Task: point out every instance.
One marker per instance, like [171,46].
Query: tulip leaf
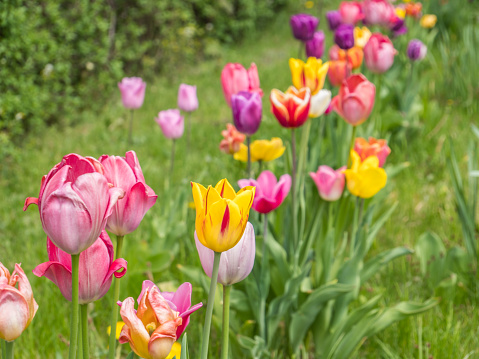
[130,356]
[431,254]
[184,348]
[306,315]
[375,264]
[256,346]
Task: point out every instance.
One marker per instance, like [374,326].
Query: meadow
[425,112]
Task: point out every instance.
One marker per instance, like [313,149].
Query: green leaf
[375,264]
[431,253]
[184,347]
[130,356]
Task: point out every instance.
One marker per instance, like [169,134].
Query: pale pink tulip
[125,173]
[350,12]
[132,92]
[17,306]
[75,202]
[171,122]
[378,12]
[379,53]
[187,99]
[236,263]
[97,267]
[330,183]
[235,78]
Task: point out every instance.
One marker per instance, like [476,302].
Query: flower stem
[248,143]
[4,350]
[172,160]
[80,342]
[209,307]
[130,133]
[262,304]
[84,326]
[9,349]
[116,296]
[293,197]
[351,145]
[226,321]
[300,52]
[188,135]
[75,316]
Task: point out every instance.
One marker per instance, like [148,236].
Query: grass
[163,248]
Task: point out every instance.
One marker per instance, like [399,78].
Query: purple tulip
[187,99]
[344,36]
[330,183]
[416,50]
[236,263]
[334,19]
[315,46]
[172,123]
[132,92]
[247,111]
[398,26]
[303,26]
[97,268]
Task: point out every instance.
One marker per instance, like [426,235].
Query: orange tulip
[355,57]
[338,71]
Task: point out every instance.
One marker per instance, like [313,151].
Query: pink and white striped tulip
[330,183]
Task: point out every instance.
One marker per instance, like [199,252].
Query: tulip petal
[59,274]
[29,201]
[25,289]
[225,190]
[14,313]
[136,333]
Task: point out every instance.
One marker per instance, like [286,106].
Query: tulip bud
[351,12]
[171,122]
[334,19]
[235,78]
[365,178]
[344,36]
[247,111]
[132,92]
[291,108]
[303,26]
[315,46]
[378,12]
[232,140]
[416,50]
[373,147]
[330,183]
[187,99]
[379,53]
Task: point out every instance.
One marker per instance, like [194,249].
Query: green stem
[226,321]
[209,307]
[84,326]
[188,135]
[80,342]
[260,166]
[293,197]
[4,349]
[130,133]
[75,316]
[116,297]
[172,160]
[9,350]
[262,304]
[248,144]
[300,52]
[351,145]
[355,227]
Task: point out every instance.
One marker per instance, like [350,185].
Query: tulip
[75,202]
[365,178]
[336,53]
[334,19]
[151,330]
[236,263]
[270,193]
[235,78]
[373,147]
[97,267]
[379,53]
[344,36]
[221,214]
[319,103]
[261,150]
[310,74]
[338,71]
[330,183]
[315,46]
[355,57]
[416,50]
[247,111]
[171,122]
[232,140]
[428,21]
[303,26]
[175,351]
[351,12]
[398,26]
[17,306]
[361,36]
[291,109]
[414,9]
[355,99]
[125,173]
[378,12]
[187,99]
[132,92]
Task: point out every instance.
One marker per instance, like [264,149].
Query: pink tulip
[355,99]
[338,71]
[270,193]
[172,123]
[17,306]
[235,78]
[236,263]
[125,173]
[350,12]
[75,202]
[187,99]
[132,92]
[379,53]
[96,269]
[378,12]
[330,183]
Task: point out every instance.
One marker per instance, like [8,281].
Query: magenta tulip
[75,202]
[303,26]
[351,12]
[172,123]
[235,78]
[247,111]
[270,193]
[236,263]
[132,92]
[330,183]
[125,173]
[315,46]
[97,268]
[334,19]
[187,99]
[378,12]
[379,53]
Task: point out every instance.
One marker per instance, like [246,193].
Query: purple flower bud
[247,111]
[334,19]
[315,46]
[344,36]
[416,50]
[303,26]
[398,27]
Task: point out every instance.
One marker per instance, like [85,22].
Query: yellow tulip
[261,150]
[400,12]
[221,214]
[175,351]
[428,21]
[365,179]
[361,36]
[310,74]
[119,327]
